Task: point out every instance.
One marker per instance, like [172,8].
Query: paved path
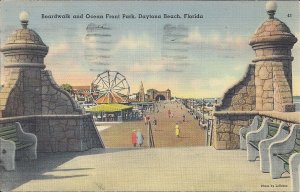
[159,169]
[119,135]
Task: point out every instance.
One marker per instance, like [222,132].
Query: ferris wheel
[110,87]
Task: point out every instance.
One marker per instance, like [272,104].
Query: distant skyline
[208,55]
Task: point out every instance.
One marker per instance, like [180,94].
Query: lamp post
[24,18]
[271,7]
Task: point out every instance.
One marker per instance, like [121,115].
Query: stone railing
[227,125]
[59,133]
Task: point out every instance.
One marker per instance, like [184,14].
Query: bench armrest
[252,127]
[23,136]
[286,145]
[294,162]
[260,133]
[6,145]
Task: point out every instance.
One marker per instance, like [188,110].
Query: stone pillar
[31,92]
[272,43]
[24,54]
[29,89]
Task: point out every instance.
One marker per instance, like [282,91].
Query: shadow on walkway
[47,162]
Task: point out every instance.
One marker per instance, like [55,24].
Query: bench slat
[254,144]
[10,133]
[7,132]
[3,129]
[273,124]
[285,157]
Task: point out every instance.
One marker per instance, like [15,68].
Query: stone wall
[56,100]
[227,126]
[60,133]
[241,97]
[23,92]
[283,96]
[273,82]
[32,97]
[12,76]
[31,91]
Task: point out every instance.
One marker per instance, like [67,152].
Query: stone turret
[272,43]
[24,47]
[29,89]
[31,97]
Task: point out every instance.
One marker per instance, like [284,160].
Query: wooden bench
[258,141]
[256,123]
[12,139]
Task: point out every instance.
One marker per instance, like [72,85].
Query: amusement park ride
[110,87]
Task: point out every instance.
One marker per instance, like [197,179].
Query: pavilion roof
[113,107]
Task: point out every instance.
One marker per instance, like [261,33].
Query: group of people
[137,138]
[147,121]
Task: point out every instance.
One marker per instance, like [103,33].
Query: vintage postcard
[149,95]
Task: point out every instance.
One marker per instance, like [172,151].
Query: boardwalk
[158,169]
[119,134]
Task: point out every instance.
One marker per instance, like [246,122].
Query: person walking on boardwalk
[145,119]
[148,119]
[177,130]
[154,122]
[133,138]
[169,113]
[140,138]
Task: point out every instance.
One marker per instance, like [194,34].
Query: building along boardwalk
[191,134]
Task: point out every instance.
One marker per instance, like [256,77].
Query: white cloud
[90,42]
[225,82]
[132,42]
[216,40]
[212,87]
[59,49]
[194,36]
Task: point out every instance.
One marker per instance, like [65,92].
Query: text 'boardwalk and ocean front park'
[123,16]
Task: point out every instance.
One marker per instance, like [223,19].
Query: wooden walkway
[119,135]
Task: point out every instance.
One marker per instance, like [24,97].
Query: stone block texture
[227,127]
[241,97]
[59,133]
[30,92]
[272,43]
[267,85]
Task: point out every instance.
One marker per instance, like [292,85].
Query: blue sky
[216,51]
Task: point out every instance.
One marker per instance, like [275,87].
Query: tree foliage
[67,87]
